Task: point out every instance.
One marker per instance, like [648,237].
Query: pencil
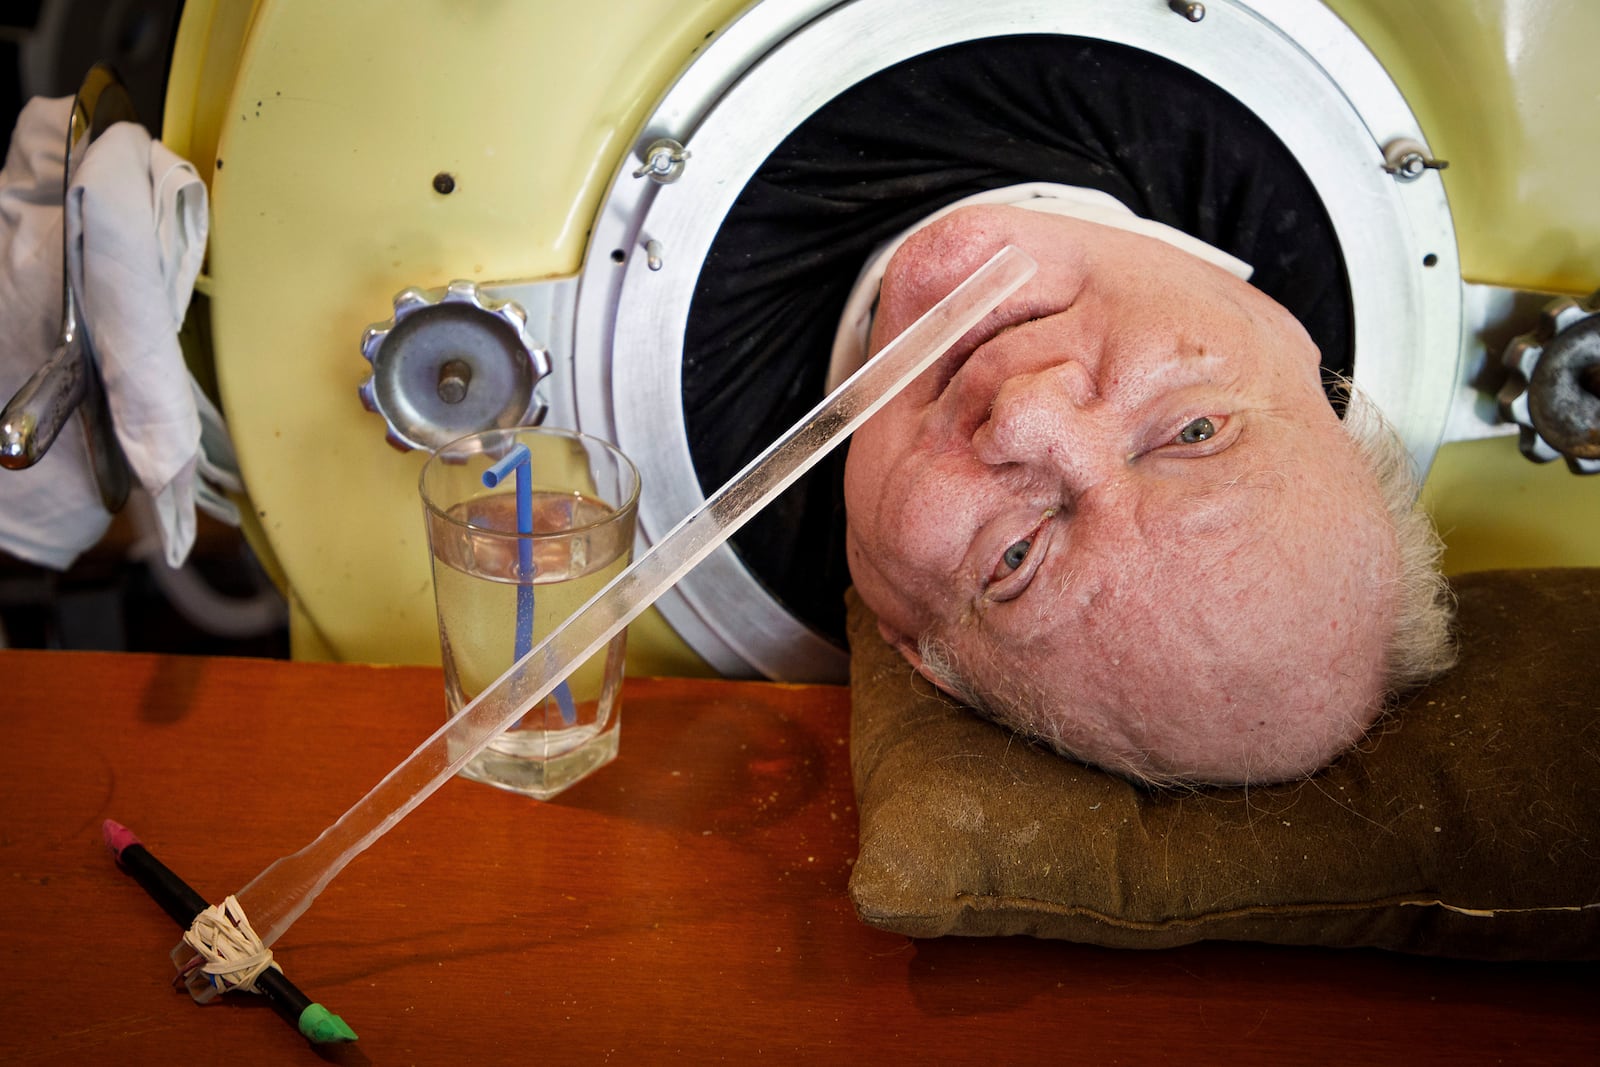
[319,1025]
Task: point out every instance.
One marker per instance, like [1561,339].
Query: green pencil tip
[322,1026]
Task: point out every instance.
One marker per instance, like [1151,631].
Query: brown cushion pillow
[1467,825]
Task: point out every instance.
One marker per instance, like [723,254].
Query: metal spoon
[70,378]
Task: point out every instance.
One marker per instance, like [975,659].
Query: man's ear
[908,649]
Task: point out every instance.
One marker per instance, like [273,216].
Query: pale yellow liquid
[474,582]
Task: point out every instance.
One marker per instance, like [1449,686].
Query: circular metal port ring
[1292,62]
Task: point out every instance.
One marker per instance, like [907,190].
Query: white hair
[1422,643]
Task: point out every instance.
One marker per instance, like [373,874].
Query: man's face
[1124,500]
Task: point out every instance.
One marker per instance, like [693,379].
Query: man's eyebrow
[1223,499]
[1059,582]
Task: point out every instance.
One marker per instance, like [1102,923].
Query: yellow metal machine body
[323,130]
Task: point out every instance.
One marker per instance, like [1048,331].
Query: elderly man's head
[1122,516]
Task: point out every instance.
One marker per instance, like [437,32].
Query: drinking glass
[503,580]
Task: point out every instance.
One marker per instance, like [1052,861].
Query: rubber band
[233,953]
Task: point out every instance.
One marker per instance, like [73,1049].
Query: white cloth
[50,512]
[138,212]
[855,323]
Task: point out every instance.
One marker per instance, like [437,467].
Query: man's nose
[1049,420]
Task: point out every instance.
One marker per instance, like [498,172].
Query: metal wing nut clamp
[451,362]
[1552,388]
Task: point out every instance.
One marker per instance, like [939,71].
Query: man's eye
[1201,429]
[1015,555]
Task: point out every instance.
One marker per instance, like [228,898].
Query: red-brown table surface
[687,903]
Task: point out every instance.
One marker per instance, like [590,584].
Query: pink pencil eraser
[117,836]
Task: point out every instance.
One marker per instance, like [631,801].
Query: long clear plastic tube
[279,895]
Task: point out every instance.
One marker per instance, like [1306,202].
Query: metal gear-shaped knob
[452,362]
[1552,387]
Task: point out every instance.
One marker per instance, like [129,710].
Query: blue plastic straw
[518,460]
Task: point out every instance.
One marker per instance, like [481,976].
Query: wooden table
[687,903]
